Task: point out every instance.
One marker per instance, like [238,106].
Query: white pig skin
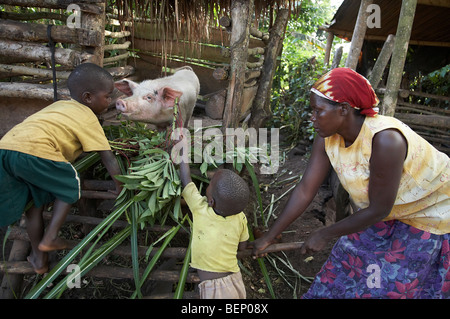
[152,101]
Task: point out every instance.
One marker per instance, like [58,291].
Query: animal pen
[139,40]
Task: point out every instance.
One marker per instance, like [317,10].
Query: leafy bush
[300,66]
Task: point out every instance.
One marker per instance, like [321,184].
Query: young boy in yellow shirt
[219,231]
[36,156]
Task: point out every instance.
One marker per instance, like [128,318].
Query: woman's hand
[315,242]
[258,246]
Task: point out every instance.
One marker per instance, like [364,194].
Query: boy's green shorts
[25,177]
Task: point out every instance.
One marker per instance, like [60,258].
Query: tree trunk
[261,107]
[382,61]
[241,11]
[358,35]
[402,37]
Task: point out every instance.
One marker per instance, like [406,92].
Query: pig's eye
[148,97]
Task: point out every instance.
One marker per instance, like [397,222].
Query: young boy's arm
[110,162]
[185,170]
[242,245]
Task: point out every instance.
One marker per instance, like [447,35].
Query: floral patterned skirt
[388,260]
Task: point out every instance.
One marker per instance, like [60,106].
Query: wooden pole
[330,37]
[337,57]
[95,21]
[38,52]
[241,11]
[261,106]
[23,70]
[358,35]
[11,283]
[31,91]
[37,32]
[405,23]
[382,61]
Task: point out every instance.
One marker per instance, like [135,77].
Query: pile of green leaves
[155,185]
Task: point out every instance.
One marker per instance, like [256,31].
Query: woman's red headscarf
[345,85]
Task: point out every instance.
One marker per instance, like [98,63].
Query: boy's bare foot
[40,265]
[50,245]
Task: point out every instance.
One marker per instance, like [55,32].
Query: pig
[152,101]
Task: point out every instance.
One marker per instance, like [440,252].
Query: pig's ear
[126,86]
[168,96]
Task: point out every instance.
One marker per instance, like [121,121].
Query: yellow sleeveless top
[423,197]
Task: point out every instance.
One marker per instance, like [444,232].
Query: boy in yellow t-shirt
[219,231]
[36,156]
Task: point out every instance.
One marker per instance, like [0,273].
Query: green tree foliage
[300,66]
[436,82]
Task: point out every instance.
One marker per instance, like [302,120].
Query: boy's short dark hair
[231,191]
[87,77]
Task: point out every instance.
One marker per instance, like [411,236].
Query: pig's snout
[121,106]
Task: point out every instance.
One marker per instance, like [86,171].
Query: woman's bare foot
[50,245]
[39,263]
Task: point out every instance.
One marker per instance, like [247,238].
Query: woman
[396,245]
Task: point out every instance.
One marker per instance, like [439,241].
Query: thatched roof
[430,28]
[197,15]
